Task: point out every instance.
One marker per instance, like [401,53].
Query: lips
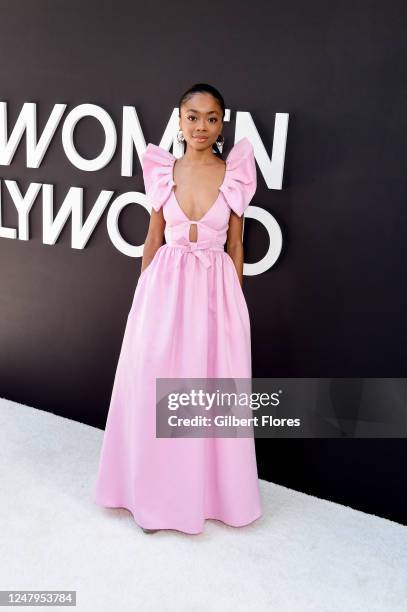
[201,137]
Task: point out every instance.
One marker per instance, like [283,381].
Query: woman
[189,318]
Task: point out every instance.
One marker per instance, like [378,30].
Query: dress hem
[228,523]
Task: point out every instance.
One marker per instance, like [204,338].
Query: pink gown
[188,318]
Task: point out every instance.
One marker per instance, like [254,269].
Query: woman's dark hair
[203,88]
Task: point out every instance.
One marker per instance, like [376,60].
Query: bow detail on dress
[199,249]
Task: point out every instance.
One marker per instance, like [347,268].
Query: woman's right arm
[154,238]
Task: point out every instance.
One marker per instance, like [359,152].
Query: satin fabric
[188,318]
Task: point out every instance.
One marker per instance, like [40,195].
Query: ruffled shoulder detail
[240,183]
[157,164]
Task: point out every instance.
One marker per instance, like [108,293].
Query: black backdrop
[333,305]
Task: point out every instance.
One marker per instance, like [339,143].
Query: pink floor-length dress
[188,318]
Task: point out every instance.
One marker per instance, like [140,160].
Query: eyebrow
[192,110]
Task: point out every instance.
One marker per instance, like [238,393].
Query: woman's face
[201,116]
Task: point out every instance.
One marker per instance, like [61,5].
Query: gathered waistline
[198,249]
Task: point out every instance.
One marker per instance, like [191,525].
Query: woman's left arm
[234,243]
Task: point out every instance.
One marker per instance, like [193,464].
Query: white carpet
[303,554]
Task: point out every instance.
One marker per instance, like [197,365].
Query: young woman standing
[189,318]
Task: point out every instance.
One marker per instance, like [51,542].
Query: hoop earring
[220,141]
[180,137]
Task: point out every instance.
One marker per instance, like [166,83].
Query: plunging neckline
[210,208]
